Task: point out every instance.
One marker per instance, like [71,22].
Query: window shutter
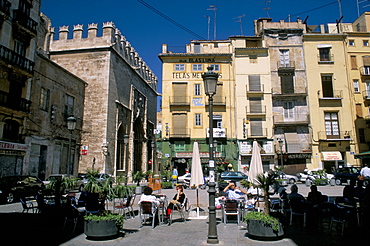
[353,62]
[218,97]
[179,92]
[256,127]
[287,84]
[366,60]
[255,105]
[254,83]
[179,124]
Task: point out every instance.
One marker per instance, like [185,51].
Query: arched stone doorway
[139,141]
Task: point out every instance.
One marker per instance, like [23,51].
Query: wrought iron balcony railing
[19,104]
[15,59]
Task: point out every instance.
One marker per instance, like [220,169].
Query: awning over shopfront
[363,155]
[331,156]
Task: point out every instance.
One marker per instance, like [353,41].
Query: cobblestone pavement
[20,229]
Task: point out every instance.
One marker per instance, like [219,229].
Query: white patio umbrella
[196,173]
[255,166]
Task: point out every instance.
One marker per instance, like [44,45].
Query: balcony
[11,57]
[330,95]
[343,135]
[286,68]
[292,92]
[218,101]
[366,94]
[4,10]
[11,102]
[302,119]
[180,133]
[179,101]
[255,90]
[325,59]
[365,71]
[217,132]
[255,110]
[257,132]
[23,25]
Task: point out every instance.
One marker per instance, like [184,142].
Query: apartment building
[185,104]
[330,99]
[253,100]
[290,138]
[18,24]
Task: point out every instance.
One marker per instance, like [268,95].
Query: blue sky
[147,30]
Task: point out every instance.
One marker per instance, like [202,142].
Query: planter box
[258,229]
[101,229]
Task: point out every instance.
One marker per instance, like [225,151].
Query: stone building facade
[120,102]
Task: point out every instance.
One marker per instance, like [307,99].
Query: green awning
[363,155]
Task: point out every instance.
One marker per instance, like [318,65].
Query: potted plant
[103,225]
[137,177]
[263,224]
[100,223]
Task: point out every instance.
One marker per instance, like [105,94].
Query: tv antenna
[213,7]
[241,22]
[208,22]
[267,8]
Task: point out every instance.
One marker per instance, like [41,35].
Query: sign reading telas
[189,75]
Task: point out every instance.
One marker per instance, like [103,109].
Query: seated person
[179,198]
[149,197]
[314,196]
[250,202]
[234,192]
[297,201]
[294,193]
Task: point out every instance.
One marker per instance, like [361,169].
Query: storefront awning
[363,155]
[331,156]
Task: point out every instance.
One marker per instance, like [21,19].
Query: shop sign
[13,146]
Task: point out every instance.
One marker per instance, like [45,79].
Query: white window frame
[44,99]
[197,67]
[289,110]
[179,67]
[216,67]
[365,43]
[198,119]
[284,57]
[356,86]
[351,42]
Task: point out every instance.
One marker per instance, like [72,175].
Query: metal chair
[28,205]
[230,207]
[338,215]
[298,208]
[129,206]
[181,209]
[72,214]
[147,210]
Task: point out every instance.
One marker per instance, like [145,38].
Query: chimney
[92,30]
[77,31]
[63,32]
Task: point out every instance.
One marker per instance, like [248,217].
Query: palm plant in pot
[100,223]
[264,225]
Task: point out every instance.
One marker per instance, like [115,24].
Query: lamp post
[281,151]
[152,144]
[71,124]
[210,85]
[125,142]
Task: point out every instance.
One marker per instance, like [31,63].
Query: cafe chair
[72,214]
[147,210]
[28,205]
[298,208]
[181,209]
[338,215]
[230,207]
[130,205]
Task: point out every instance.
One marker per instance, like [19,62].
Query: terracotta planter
[258,229]
[101,229]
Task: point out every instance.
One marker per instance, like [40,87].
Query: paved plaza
[48,230]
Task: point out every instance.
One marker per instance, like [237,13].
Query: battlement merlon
[111,36]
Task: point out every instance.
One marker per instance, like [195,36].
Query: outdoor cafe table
[163,202]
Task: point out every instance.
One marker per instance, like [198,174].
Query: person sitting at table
[349,192]
[294,193]
[149,197]
[178,198]
[314,196]
[234,192]
[250,202]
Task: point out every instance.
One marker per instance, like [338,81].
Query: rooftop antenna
[358,6]
[213,7]
[340,8]
[338,22]
[208,21]
[241,22]
[267,8]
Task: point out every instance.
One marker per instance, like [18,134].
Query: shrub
[166,185]
[106,215]
[266,219]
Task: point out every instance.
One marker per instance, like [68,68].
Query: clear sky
[147,24]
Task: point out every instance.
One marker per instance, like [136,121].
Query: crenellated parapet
[111,38]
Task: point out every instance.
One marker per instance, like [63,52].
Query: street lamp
[210,86]
[71,124]
[281,151]
[152,144]
[125,142]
